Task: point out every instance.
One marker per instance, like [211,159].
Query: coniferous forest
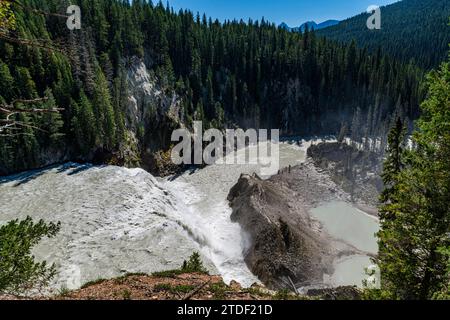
[112,91]
[413,30]
[236,73]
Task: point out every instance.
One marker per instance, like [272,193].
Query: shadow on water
[77,168]
[22,178]
[28,176]
[191,170]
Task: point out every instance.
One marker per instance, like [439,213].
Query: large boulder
[285,250]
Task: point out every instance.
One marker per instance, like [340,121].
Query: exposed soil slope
[187,286]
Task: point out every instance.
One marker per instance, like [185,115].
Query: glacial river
[117,220]
[354,227]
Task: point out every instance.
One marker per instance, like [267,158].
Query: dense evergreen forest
[236,73]
[411,30]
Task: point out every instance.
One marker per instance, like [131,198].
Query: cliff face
[152,114]
[286,248]
[356,171]
[146,100]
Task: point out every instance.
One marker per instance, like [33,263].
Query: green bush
[194,264]
[19,273]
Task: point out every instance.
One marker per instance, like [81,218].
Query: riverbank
[117,220]
[184,286]
[308,250]
[276,214]
[354,170]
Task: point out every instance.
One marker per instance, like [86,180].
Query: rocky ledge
[356,171]
[185,286]
[288,249]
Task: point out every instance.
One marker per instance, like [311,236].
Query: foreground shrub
[19,273]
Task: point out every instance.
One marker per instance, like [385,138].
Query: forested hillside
[247,74]
[411,30]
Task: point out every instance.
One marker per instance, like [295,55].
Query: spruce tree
[104,111]
[415,225]
[393,164]
[51,122]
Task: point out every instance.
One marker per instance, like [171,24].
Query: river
[354,227]
[117,220]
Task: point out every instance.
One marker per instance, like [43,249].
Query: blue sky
[293,12]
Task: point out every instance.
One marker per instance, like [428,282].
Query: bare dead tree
[35,43]
[10,127]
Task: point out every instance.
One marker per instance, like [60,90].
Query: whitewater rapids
[116,220]
[113,221]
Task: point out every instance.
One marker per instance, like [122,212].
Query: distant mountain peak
[284,25]
[311,25]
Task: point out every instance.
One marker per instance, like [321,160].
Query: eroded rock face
[146,99]
[151,114]
[356,171]
[285,249]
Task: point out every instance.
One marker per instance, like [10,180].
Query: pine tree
[258,74]
[104,111]
[393,165]
[83,124]
[19,272]
[7,17]
[6,82]
[51,122]
[415,228]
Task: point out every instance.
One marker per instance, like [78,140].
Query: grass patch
[168,273]
[121,279]
[126,294]
[218,289]
[63,291]
[91,283]
[288,295]
[257,292]
[283,294]
[163,287]
[183,289]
